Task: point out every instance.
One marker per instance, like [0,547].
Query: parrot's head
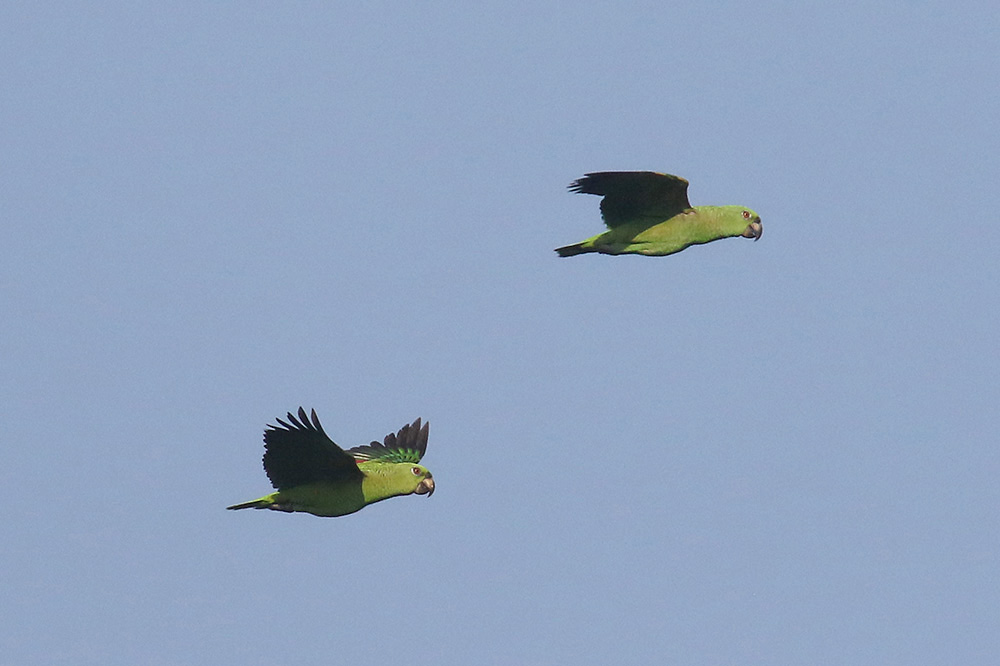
[754,228]
[422,479]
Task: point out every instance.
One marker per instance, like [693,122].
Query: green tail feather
[572,250]
[255,504]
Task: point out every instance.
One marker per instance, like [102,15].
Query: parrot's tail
[572,250]
[256,504]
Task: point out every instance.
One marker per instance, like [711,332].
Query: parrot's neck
[382,481]
[718,222]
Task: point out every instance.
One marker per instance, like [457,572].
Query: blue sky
[781,452]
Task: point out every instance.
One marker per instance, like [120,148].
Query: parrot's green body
[312,474]
[649,213]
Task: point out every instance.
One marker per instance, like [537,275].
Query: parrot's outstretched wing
[630,196]
[299,452]
[406,446]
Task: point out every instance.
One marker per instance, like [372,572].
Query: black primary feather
[406,446]
[632,195]
[299,452]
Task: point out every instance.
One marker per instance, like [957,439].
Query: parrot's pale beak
[425,487]
[754,230]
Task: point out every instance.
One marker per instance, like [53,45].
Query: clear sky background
[781,452]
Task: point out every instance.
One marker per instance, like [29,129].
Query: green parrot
[648,213]
[310,473]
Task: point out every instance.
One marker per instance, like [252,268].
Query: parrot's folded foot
[287,508]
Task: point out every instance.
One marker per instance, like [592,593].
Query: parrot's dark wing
[406,446]
[630,196]
[300,452]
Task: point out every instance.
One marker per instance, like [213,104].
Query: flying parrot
[649,213]
[310,473]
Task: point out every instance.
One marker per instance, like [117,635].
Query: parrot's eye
[746,215]
[415,470]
